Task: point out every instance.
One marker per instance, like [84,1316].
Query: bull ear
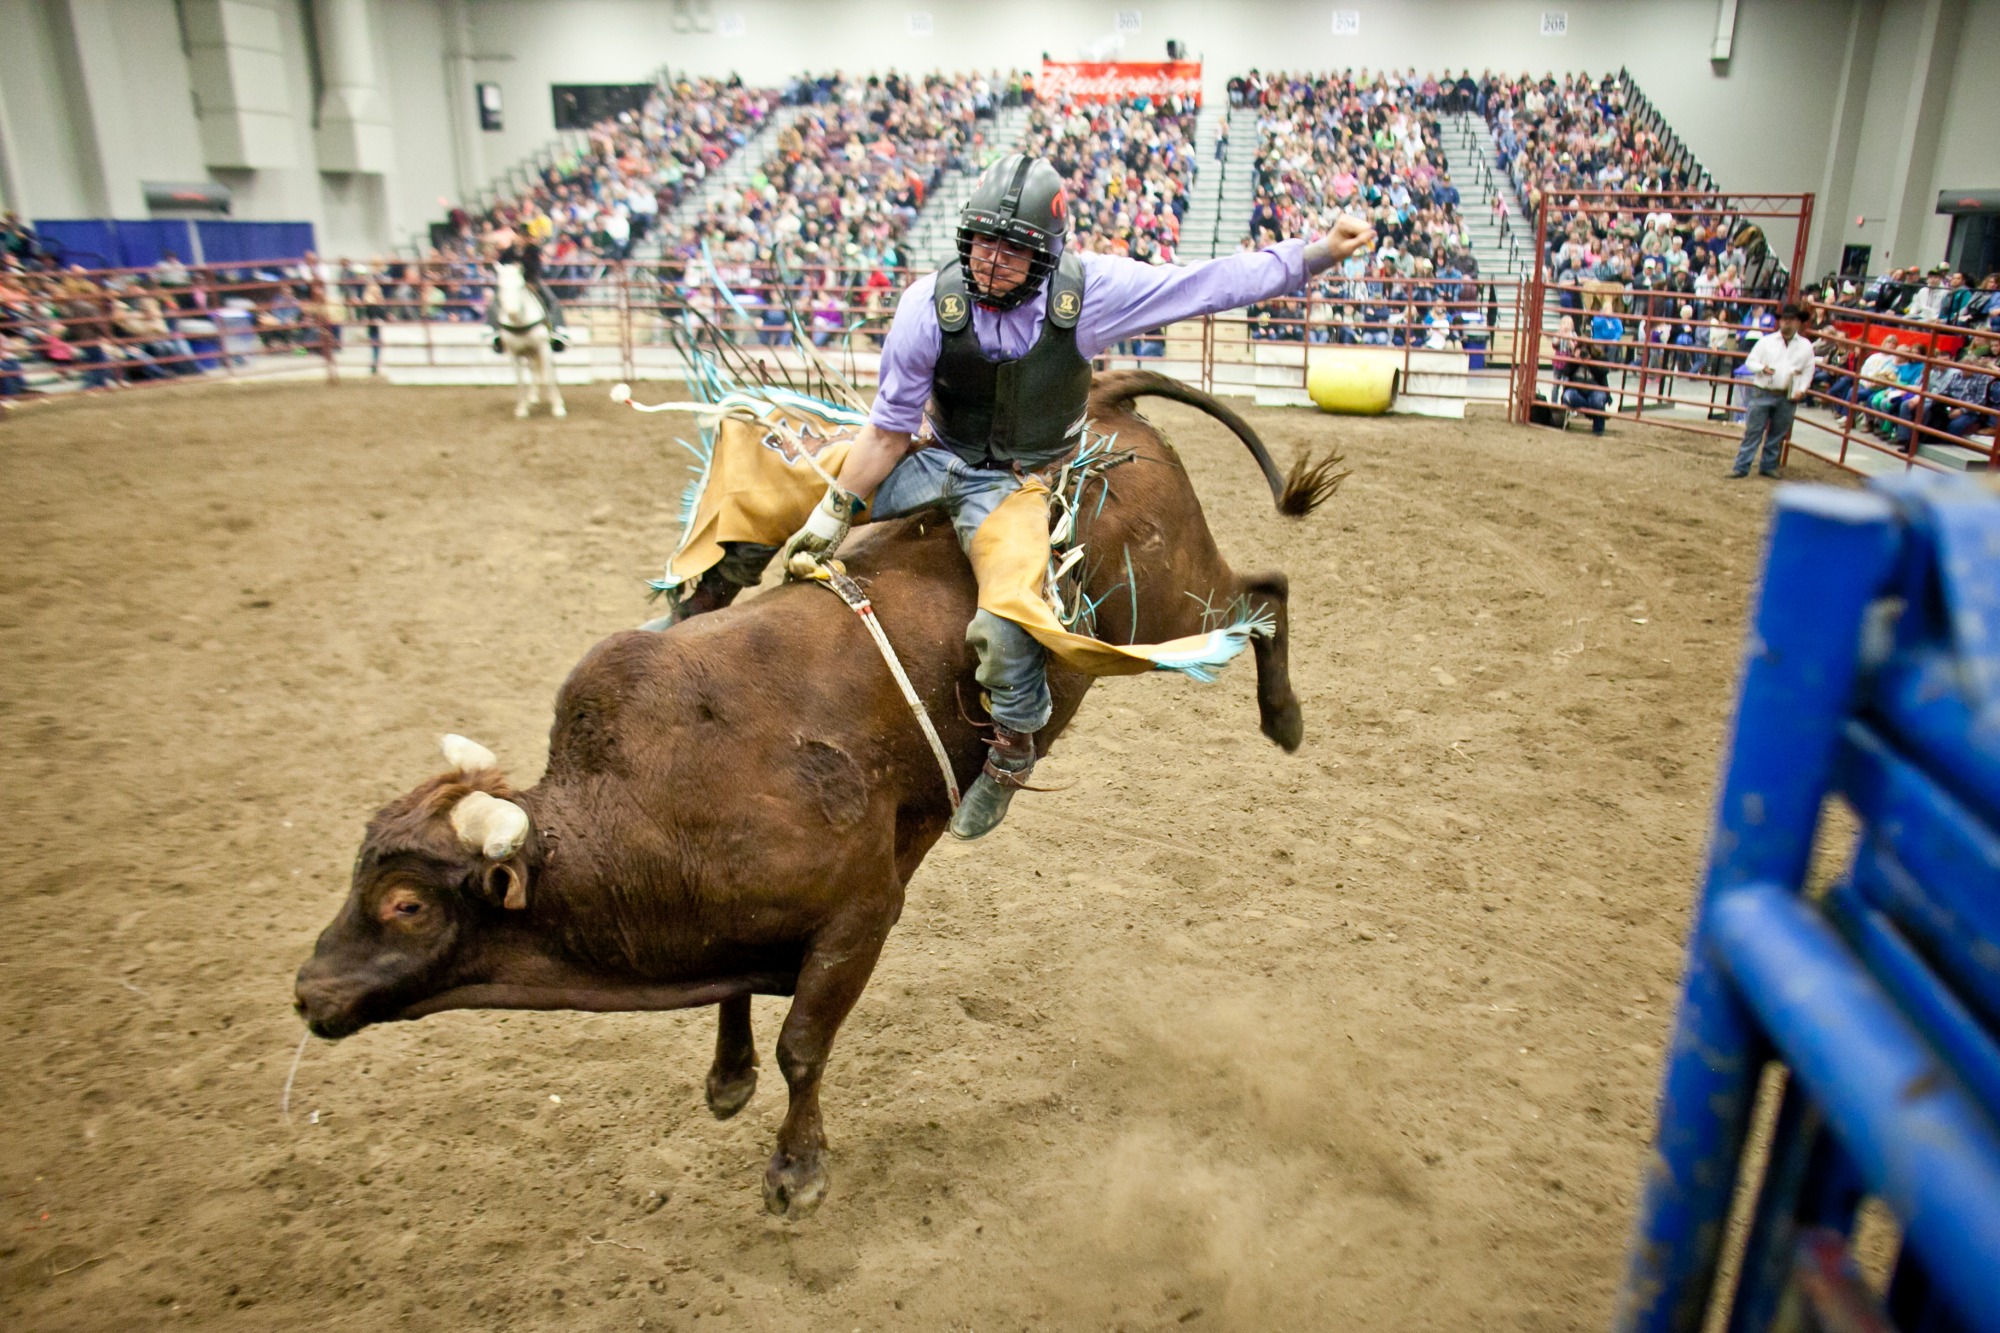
[488,825]
[506,883]
[467,756]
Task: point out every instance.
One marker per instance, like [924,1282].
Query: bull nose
[308,1001]
[326,1006]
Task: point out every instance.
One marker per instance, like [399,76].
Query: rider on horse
[982,385]
[522,250]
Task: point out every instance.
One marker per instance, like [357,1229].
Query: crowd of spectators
[828,210]
[1650,288]
[1558,136]
[1360,144]
[1429,91]
[1365,144]
[1942,296]
[820,229]
[102,329]
[1913,377]
[1919,377]
[829,207]
[1646,283]
[602,201]
[1130,168]
[818,225]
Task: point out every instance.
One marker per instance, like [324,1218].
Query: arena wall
[95,95]
[1968,151]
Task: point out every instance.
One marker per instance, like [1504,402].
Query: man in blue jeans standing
[1780,368]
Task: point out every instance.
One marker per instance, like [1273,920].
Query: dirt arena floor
[1360,1038]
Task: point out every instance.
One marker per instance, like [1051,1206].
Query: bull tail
[1297,493]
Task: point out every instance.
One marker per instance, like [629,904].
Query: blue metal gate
[1873,674]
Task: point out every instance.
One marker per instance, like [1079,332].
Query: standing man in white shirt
[1781,367]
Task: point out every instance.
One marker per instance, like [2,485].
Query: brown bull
[734,807]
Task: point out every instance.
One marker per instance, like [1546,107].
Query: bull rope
[857,601]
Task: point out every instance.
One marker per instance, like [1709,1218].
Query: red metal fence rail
[1594,215]
[1651,352]
[1933,404]
[1457,341]
[96,331]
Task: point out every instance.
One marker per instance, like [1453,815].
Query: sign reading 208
[1555,23]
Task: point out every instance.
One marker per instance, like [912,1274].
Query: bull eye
[402,905]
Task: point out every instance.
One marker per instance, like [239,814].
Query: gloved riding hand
[497,345]
[823,533]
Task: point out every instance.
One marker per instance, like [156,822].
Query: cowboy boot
[741,566]
[1009,760]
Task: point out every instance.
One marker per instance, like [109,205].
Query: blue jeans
[1591,402]
[94,355]
[1013,669]
[1963,424]
[1907,411]
[1767,423]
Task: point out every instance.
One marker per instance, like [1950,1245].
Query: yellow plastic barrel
[1354,381]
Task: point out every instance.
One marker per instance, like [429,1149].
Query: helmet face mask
[1019,200]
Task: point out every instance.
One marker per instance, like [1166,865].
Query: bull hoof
[521,411]
[560,411]
[1285,724]
[793,1189]
[730,1093]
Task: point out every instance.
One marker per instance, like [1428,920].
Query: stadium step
[1198,223]
[1468,147]
[1219,214]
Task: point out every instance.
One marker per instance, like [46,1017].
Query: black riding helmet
[1018,199]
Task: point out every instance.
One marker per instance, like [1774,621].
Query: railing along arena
[629,319]
[627,316]
[84,330]
[1649,374]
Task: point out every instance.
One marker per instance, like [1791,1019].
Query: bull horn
[489,825]
[467,756]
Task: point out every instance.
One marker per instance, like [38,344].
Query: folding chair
[1872,673]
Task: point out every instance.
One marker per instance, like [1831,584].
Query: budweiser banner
[1115,81]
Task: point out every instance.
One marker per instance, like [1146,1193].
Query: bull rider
[986,370]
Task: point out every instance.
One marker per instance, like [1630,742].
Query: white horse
[524,336]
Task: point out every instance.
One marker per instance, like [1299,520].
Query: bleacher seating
[1130,169]
[1338,143]
[849,174]
[600,202]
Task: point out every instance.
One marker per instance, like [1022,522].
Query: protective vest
[1027,411]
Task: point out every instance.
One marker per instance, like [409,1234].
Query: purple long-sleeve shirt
[1121,298]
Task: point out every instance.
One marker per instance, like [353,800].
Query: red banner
[1118,81]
